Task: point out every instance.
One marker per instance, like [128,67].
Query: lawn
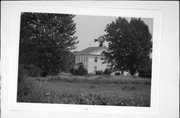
[91,90]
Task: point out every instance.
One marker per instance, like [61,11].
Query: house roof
[90,50]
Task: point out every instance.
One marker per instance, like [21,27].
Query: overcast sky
[91,27]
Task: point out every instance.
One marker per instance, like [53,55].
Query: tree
[46,40]
[129,44]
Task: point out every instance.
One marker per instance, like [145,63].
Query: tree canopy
[129,45]
[46,40]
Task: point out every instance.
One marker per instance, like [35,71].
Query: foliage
[33,71]
[57,89]
[107,71]
[85,98]
[129,44]
[79,71]
[46,40]
[25,71]
[99,72]
[72,71]
[146,70]
[23,88]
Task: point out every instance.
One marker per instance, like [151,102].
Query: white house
[92,59]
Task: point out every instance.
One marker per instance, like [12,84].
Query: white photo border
[14,50]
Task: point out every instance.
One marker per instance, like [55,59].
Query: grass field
[91,90]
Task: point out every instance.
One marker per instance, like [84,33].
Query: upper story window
[95,59]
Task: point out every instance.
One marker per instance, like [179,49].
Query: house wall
[92,64]
[83,59]
[89,62]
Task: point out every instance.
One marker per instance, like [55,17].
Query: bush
[99,72]
[81,71]
[107,71]
[33,71]
[24,88]
[72,71]
[145,72]
[44,74]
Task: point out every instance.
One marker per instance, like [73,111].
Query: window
[95,59]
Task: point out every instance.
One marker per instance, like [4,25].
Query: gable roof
[90,50]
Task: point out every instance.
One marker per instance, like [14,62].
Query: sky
[89,28]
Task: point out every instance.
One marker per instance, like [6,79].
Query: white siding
[92,64]
[89,63]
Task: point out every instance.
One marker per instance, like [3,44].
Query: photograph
[95,59]
[85,59]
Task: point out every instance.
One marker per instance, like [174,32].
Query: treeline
[46,41]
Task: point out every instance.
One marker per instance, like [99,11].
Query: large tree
[46,40]
[129,44]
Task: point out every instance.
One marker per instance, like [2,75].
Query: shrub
[107,71]
[44,74]
[81,71]
[23,88]
[72,71]
[78,71]
[33,71]
[99,72]
[145,70]
[145,73]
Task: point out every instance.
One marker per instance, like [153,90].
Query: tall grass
[99,79]
[39,94]
[86,98]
